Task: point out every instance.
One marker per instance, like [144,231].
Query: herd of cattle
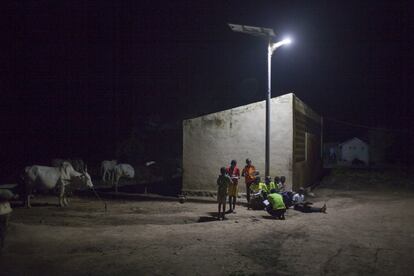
[69,172]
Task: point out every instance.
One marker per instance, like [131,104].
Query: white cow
[120,171]
[48,178]
[77,164]
[107,169]
[57,162]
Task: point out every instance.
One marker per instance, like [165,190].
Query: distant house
[354,149]
[211,141]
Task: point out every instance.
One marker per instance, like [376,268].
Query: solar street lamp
[269,34]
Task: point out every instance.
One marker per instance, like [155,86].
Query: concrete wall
[307,155]
[212,141]
[307,172]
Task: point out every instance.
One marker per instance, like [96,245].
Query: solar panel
[251,30]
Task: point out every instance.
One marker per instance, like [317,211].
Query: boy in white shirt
[304,206]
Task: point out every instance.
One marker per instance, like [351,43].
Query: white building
[354,149]
[212,141]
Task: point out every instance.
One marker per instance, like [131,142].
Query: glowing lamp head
[287,41]
[276,45]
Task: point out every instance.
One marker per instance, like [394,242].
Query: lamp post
[272,46]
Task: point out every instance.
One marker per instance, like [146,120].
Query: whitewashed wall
[213,140]
[355,148]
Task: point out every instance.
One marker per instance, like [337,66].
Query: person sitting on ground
[269,183]
[234,174]
[276,207]
[281,184]
[287,198]
[276,181]
[5,210]
[304,206]
[259,192]
[258,186]
[223,182]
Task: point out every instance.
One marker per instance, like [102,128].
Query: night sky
[77,76]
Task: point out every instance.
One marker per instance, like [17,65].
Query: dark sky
[78,75]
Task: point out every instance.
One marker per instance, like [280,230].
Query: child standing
[249,172]
[234,174]
[223,183]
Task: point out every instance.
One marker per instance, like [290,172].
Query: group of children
[270,195]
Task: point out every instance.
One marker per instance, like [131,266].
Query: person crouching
[277,207]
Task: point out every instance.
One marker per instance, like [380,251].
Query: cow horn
[86,168]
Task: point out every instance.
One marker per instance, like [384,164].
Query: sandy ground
[364,233]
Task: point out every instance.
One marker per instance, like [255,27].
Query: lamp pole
[268,98]
[271,47]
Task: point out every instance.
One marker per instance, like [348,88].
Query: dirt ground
[363,233]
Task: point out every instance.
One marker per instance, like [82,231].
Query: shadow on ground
[207,219]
